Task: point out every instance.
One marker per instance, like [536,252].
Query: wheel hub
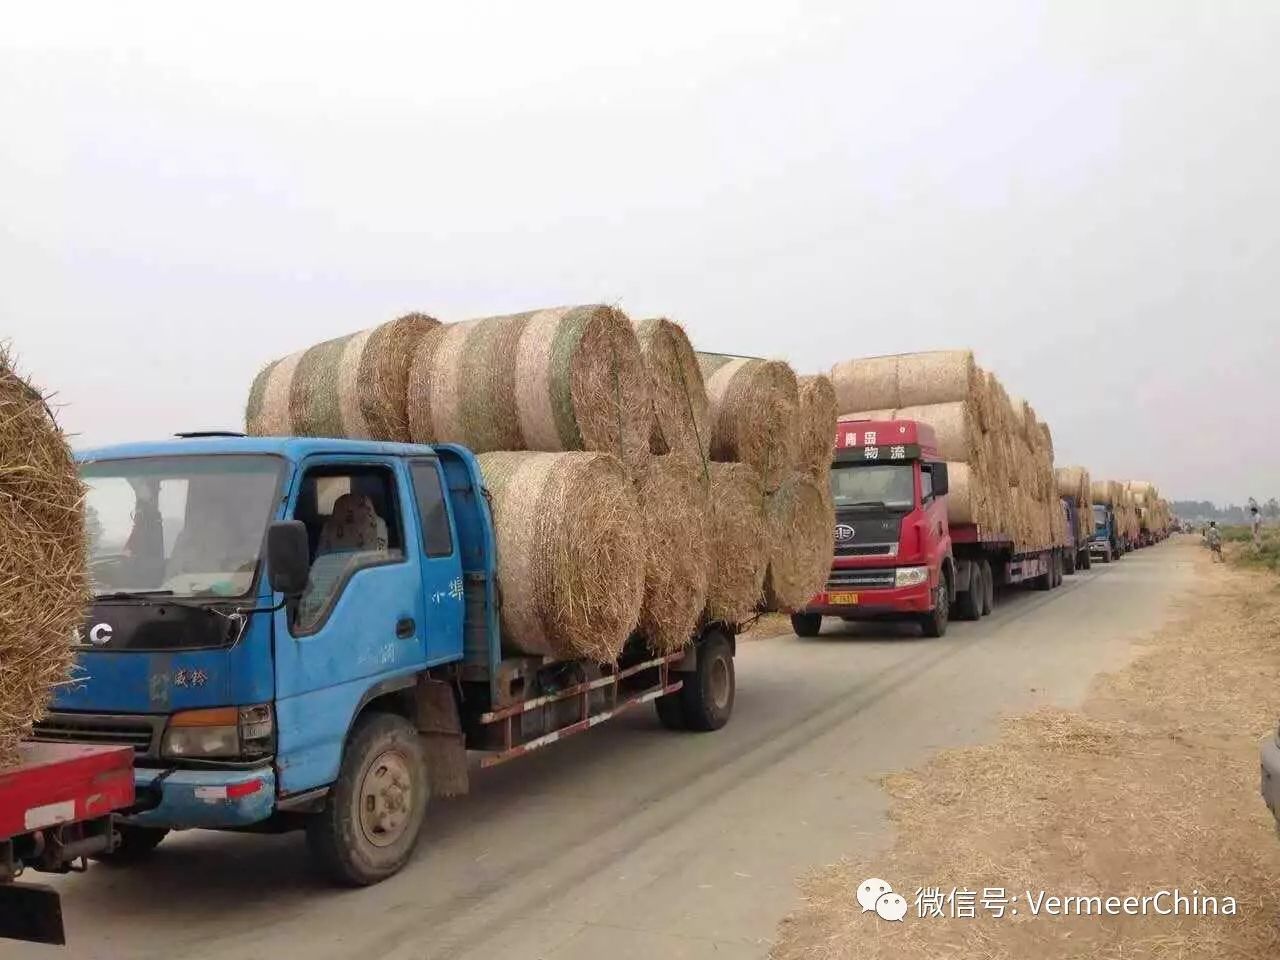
[385,798]
[720,683]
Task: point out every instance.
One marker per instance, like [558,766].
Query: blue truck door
[441,564]
[359,624]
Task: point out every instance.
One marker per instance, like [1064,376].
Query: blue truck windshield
[186,526]
[889,485]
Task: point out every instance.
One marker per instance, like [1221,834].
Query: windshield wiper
[866,503]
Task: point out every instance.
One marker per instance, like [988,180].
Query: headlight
[910,576]
[221,732]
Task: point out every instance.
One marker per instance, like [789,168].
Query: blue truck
[1106,543]
[279,660]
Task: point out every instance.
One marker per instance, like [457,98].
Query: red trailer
[897,557]
[57,808]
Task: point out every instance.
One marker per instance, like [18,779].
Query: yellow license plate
[843,599]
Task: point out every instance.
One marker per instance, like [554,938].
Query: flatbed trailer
[57,807]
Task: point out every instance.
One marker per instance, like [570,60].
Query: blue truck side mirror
[940,484]
[288,557]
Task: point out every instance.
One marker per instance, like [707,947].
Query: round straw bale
[571,557]
[866,383]
[681,412]
[800,522]
[753,413]
[43,584]
[962,498]
[567,378]
[816,415]
[673,506]
[955,425]
[937,376]
[352,386]
[736,544]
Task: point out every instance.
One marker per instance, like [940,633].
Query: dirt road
[635,842]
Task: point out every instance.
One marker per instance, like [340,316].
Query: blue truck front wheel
[374,813]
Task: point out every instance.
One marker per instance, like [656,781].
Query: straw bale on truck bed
[737,542]
[43,584]
[672,495]
[753,413]
[1074,484]
[800,517]
[681,411]
[352,386]
[571,557]
[563,379]
[817,424]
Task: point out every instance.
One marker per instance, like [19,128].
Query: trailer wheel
[1086,561]
[969,602]
[374,812]
[806,624]
[670,710]
[988,587]
[1069,562]
[136,845]
[706,699]
[934,623]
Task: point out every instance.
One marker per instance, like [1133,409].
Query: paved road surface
[634,842]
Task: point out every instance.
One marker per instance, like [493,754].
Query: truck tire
[806,624]
[708,693]
[1069,562]
[1045,580]
[1086,560]
[136,845]
[988,587]
[374,812]
[968,604]
[934,623]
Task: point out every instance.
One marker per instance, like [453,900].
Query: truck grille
[862,579]
[867,550]
[138,732]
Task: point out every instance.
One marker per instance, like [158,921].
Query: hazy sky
[1085,193]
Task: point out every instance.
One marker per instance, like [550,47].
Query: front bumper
[1271,776]
[204,798]
[876,603]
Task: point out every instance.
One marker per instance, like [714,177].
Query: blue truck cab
[304,633]
[1105,542]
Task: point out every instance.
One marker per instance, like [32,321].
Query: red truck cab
[893,552]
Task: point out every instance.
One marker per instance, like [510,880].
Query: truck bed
[56,783]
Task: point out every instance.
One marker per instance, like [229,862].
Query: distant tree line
[1232,513]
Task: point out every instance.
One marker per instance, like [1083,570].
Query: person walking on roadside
[1255,521]
[1213,536]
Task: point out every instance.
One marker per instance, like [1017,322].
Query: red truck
[57,808]
[896,555]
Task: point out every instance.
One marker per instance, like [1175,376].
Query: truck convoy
[334,684]
[897,557]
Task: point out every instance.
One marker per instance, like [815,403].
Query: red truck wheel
[934,623]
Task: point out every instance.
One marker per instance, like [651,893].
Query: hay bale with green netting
[681,412]
[817,424]
[352,386]
[563,379]
[753,413]
[800,523]
[673,507]
[571,557]
[43,584]
[737,547]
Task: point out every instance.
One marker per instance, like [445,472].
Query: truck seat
[353,536]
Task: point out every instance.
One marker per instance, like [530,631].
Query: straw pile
[1074,484]
[43,585]
[800,518]
[352,386]
[737,542]
[681,412]
[673,506]
[571,556]
[753,413]
[567,378]
[1001,455]
[817,424]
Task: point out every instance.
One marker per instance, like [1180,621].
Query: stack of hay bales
[1116,495]
[43,583]
[584,420]
[1000,455]
[1075,485]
